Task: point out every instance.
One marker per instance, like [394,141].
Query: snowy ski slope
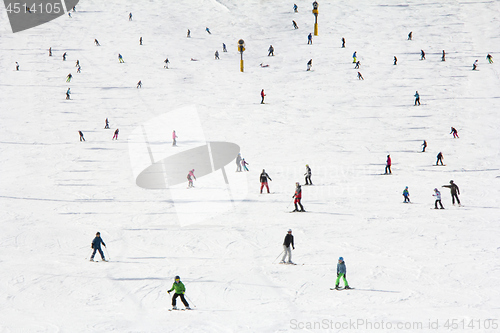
[411,265]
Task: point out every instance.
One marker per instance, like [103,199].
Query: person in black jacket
[455,191]
[287,249]
[263,180]
[96,245]
[439,158]
[308,175]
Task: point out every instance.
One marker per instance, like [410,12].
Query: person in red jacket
[388,165]
[298,197]
[262,95]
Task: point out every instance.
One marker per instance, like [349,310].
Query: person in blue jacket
[341,273]
[406,194]
[96,245]
[310,39]
[354,56]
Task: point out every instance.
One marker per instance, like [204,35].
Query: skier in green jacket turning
[179,288]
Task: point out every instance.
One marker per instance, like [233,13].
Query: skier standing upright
[96,245]
[388,165]
[309,64]
[310,38]
[288,245]
[17,66]
[422,55]
[295,8]
[216,55]
[139,84]
[437,194]
[354,56]
[224,49]
[406,194]
[443,57]
[308,175]
[190,177]
[424,145]
[106,125]
[180,289]
[298,197]
[271,51]
[395,60]
[410,35]
[262,95]
[341,273]
[455,191]
[417,98]
[174,141]
[68,93]
[343,42]
[263,180]
[130,16]
[166,63]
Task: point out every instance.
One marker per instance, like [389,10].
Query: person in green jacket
[180,289]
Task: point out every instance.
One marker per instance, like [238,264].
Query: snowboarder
[216,55]
[140,41]
[174,137]
[357,65]
[224,49]
[68,92]
[437,194]
[106,126]
[180,289]
[343,42]
[308,175]
[360,77]
[295,8]
[262,95]
[188,34]
[263,180]
[115,136]
[455,191]
[490,58]
[309,64]
[96,42]
[417,98]
[50,51]
[190,177]
[295,26]
[443,57]
[288,245]
[244,163]
[422,55]
[68,77]
[455,133]
[388,165]
[406,195]
[439,158]
[395,60]
[298,196]
[354,56]
[424,145]
[120,58]
[208,30]
[166,63]
[64,56]
[96,245]
[341,273]
[81,136]
[310,38]
[238,163]
[474,65]
[410,35]
[130,16]
[271,51]
[139,84]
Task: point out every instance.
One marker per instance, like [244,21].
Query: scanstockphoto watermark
[374,325]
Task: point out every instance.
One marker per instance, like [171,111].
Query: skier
[68,78]
[81,136]
[238,163]
[17,66]
[115,136]
[395,60]
[120,58]
[188,34]
[50,51]
[309,64]
[287,249]
[360,77]
[180,289]
[455,133]
[474,65]
[443,57]
[406,195]
[77,63]
[130,17]
[341,273]
[439,158]
[490,58]
[388,164]
[455,191]
[262,95]
[106,126]
[190,177]
[417,98]
[298,196]
[224,49]
[354,55]
[139,84]
[271,51]
[174,137]
[422,55]
[140,41]
[308,175]
[295,26]
[96,245]
[343,42]
[216,55]
[357,65]
[263,180]
[96,42]
[310,38]
[68,92]
[410,35]
[79,69]
[166,63]
[208,30]
[437,194]
[295,8]
[244,163]
[64,56]
[424,145]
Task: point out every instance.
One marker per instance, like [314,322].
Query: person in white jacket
[437,194]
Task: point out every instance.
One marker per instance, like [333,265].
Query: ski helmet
[289,230]
[177,277]
[341,258]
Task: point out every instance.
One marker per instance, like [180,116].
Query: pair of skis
[341,288]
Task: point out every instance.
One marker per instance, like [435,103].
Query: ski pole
[92,250]
[289,203]
[190,301]
[278,256]
[107,252]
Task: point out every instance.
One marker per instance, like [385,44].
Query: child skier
[439,158]
[298,196]
[115,136]
[263,180]
[190,177]
[455,191]
[388,165]
[174,137]
[454,132]
[180,289]
[417,98]
[406,195]
[341,273]
[96,245]
[308,175]
[286,248]
[244,163]
[437,194]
